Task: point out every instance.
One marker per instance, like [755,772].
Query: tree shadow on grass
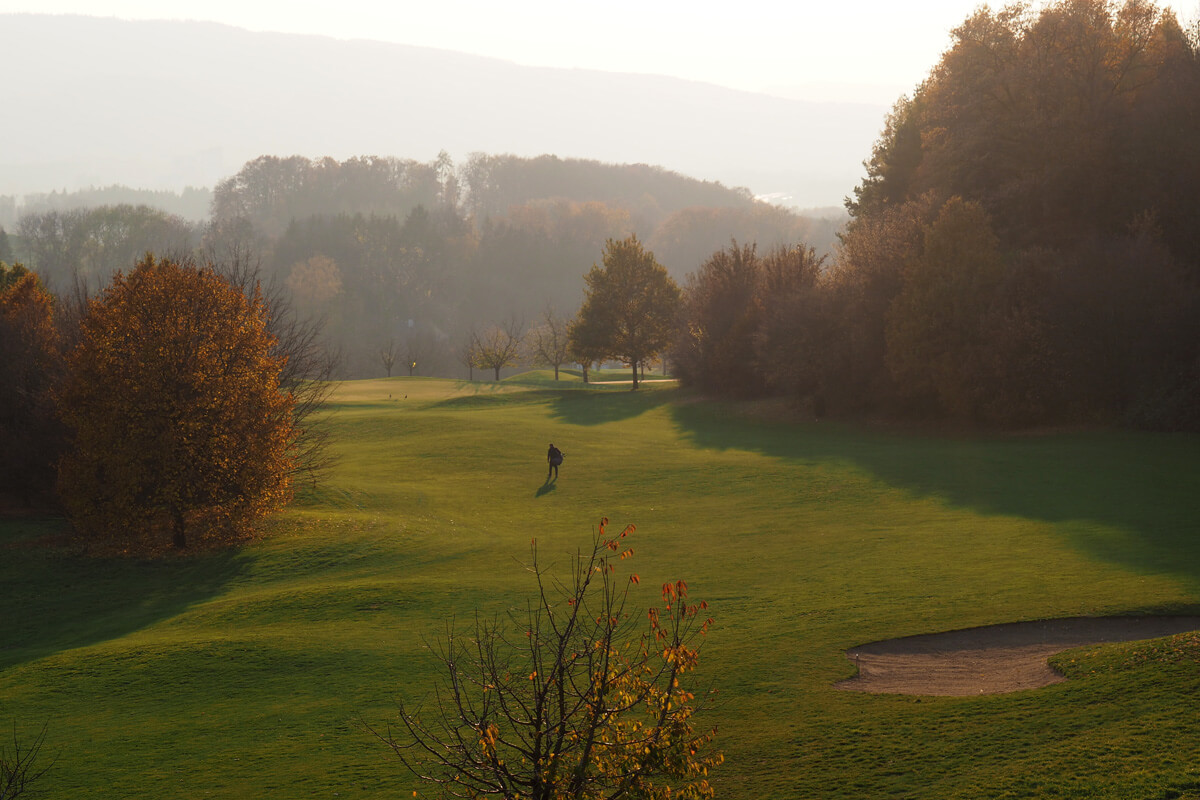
[55,599]
[609,405]
[1123,497]
[593,404]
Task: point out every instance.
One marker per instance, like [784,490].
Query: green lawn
[248,674]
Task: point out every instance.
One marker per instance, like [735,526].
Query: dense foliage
[272,191]
[1023,249]
[174,408]
[629,307]
[1064,284]
[85,246]
[732,306]
[30,364]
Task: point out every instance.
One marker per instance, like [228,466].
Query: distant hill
[164,105]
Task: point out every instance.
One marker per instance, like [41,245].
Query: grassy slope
[246,674]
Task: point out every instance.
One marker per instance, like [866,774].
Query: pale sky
[879,48]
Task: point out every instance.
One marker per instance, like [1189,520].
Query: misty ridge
[1021,251]
[393,252]
[164,105]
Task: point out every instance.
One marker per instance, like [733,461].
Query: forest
[1022,250]
[396,255]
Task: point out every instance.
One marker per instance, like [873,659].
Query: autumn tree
[30,367]
[575,696]
[498,346]
[1071,128]
[957,330]
[11,274]
[797,341]
[308,364]
[715,349]
[587,344]
[629,308]
[315,282]
[863,284]
[549,342]
[176,416]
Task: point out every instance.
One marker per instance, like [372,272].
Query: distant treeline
[1024,249]
[401,253]
[191,204]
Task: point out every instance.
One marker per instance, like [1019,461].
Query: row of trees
[628,315]
[416,253]
[1022,251]
[191,203]
[271,191]
[86,246]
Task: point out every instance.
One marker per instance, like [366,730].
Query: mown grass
[249,674]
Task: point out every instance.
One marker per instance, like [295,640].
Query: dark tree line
[31,344]
[1023,249]
[85,246]
[271,191]
[493,184]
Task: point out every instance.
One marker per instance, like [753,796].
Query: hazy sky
[879,47]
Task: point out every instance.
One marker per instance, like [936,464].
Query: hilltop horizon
[144,104]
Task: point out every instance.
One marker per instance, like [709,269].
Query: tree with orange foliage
[629,307]
[175,412]
[30,363]
[573,698]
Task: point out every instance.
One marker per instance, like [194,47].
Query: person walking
[554,457]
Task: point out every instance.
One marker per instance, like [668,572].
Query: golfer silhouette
[554,457]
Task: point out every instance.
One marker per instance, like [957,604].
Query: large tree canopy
[1047,177]
[630,307]
[1022,251]
[1076,120]
[175,410]
[30,362]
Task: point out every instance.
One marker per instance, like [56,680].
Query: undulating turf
[251,673]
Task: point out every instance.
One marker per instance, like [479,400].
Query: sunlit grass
[246,674]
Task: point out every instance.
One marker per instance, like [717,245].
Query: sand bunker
[995,659]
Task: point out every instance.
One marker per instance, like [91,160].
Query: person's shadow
[547,487]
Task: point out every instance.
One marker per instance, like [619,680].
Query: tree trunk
[585,372]
[635,376]
[556,372]
[497,373]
